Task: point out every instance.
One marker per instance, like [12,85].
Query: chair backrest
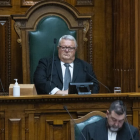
[41,41]
[91,117]
[42,23]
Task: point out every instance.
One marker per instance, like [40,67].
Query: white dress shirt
[63,73]
[112,135]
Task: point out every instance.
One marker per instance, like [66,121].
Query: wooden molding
[31,3]
[28,3]
[5,3]
[6,53]
[75,98]
[137,44]
[90,49]
[124,39]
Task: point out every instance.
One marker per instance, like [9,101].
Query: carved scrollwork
[28,3]
[85,30]
[59,100]
[18,30]
[91,43]
[5,3]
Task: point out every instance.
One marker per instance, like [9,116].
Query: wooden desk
[43,117]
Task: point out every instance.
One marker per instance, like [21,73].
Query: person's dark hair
[118,107]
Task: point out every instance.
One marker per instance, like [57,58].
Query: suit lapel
[124,133]
[76,69]
[58,67]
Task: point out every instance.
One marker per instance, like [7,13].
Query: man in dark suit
[113,127]
[77,70]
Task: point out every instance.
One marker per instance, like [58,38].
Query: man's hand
[62,92]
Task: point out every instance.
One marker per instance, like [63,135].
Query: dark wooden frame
[75,21]
[6,70]
[137,44]
[84,2]
[78,2]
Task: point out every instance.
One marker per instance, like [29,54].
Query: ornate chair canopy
[41,24]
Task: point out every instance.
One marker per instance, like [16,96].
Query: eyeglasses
[69,48]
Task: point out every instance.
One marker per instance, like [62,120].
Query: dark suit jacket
[99,131]
[42,75]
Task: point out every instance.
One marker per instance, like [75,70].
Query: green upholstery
[41,41]
[83,124]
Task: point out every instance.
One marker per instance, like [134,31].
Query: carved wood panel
[40,124]
[43,117]
[2,125]
[5,53]
[57,130]
[28,3]
[124,42]
[14,129]
[5,3]
[14,123]
[137,38]
[31,3]
[84,2]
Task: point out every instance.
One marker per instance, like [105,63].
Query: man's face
[65,54]
[115,121]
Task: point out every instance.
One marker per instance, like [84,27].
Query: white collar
[71,64]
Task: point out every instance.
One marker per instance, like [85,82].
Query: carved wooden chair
[89,118]
[41,24]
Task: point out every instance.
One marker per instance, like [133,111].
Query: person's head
[116,115]
[67,47]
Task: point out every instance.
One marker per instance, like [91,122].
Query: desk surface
[105,96]
[130,94]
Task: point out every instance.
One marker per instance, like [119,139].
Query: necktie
[67,76]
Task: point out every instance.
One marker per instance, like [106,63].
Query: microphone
[1,85]
[122,105]
[55,40]
[85,69]
[65,107]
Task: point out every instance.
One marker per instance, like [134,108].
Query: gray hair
[118,107]
[68,37]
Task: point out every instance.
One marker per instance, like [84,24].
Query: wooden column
[124,44]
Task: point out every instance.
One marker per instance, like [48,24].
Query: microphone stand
[65,107]
[52,63]
[98,81]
